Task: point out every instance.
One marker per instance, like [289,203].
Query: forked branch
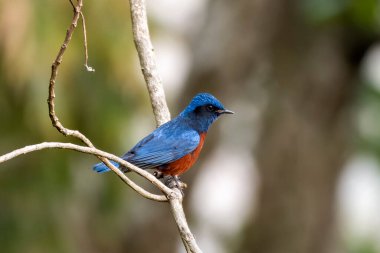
[68,132]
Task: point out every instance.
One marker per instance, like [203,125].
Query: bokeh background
[295,170]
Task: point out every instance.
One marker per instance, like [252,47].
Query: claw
[175,182]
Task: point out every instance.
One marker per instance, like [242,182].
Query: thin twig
[88,68]
[72,4]
[98,153]
[147,61]
[68,132]
[54,72]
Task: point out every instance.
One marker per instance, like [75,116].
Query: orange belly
[183,164]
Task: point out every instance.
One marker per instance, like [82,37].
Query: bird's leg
[178,184]
[169,181]
[158,174]
[175,182]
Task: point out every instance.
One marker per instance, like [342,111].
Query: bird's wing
[165,145]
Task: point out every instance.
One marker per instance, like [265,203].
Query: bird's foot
[175,182]
[158,174]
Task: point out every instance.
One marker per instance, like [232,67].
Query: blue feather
[102,168]
[166,144]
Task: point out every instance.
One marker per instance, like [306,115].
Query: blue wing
[165,145]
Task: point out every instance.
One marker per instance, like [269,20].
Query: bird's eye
[210,108]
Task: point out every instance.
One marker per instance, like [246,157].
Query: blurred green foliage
[363,247]
[364,18]
[360,13]
[369,120]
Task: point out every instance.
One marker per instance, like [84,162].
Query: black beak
[225,111]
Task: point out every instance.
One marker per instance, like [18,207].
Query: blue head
[203,110]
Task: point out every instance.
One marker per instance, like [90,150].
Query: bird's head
[203,110]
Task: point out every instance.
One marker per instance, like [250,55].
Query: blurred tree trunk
[301,78]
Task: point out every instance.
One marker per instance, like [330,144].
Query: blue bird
[174,147]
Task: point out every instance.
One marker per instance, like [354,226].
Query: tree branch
[161,112]
[99,153]
[68,132]
[176,207]
[147,61]
[54,72]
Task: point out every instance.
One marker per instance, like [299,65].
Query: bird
[174,147]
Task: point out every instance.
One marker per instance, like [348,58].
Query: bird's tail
[102,168]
